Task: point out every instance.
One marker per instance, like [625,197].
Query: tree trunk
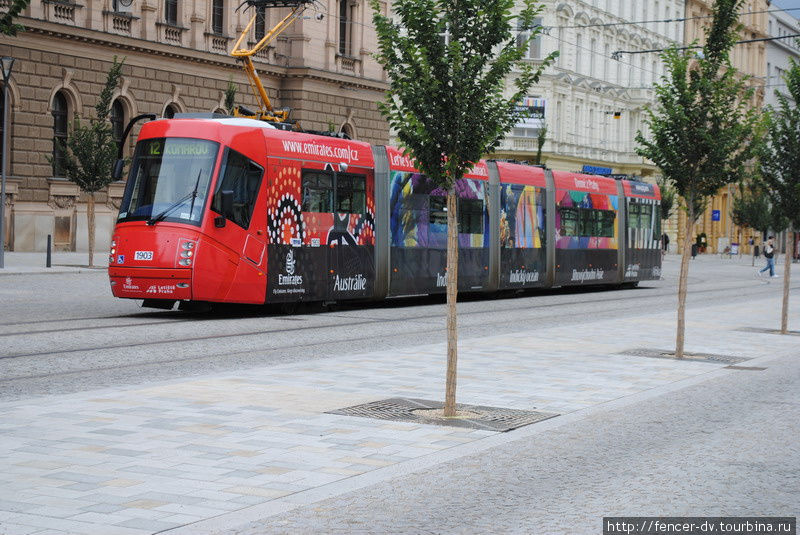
[90,226]
[452,293]
[787,266]
[683,282]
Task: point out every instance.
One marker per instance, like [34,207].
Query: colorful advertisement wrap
[522,236]
[318,255]
[643,261]
[418,227]
[586,237]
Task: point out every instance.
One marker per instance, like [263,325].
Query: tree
[7,24]
[448,62]
[702,130]
[91,151]
[230,96]
[667,198]
[780,168]
[752,209]
[540,139]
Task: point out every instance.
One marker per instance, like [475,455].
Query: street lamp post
[7,64]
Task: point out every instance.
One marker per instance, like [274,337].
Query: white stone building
[780,24]
[592,104]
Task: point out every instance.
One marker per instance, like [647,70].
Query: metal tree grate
[688,356]
[413,410]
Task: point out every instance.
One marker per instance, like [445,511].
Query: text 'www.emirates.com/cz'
[641,525]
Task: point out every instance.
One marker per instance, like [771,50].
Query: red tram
[234,210]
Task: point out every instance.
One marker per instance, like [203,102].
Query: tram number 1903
[143,255]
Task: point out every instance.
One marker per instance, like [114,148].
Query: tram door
[237,228]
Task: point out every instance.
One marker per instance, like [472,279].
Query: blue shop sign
[715,215]
[594,170]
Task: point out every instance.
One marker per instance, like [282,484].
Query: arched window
[117,120]
[347,130]
[217,15]
[60,114]
[170,111]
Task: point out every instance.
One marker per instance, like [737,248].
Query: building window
[60,114]
[171,12]
[217,11]
[117,120]
[345,28]
[535,45]
[261,22]
[578,53]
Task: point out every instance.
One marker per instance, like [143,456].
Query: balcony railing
[120,23]
[60,11]
[170,33]
[347,63]
[217,43]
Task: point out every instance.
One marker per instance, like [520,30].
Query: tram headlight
[185,262]
[186,254]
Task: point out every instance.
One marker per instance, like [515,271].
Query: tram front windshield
[169,180]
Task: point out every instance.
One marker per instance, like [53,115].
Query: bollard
[49,251]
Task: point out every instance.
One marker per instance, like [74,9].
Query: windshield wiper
[191,195]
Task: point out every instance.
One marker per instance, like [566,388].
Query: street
[117,419]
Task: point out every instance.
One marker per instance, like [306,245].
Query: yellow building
[749,59]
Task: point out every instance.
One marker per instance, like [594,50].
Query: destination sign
[179,147]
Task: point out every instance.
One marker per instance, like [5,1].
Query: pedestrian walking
[664,244]
[769,254]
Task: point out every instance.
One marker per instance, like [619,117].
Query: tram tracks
[361,322]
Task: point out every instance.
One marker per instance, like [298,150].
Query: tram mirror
[118,165]
[342,167]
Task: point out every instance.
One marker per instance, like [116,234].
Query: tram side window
[317,191]
[242,176]
[587,222]
[438,211]
[470,215]
[606,223]
[645,214]
[351,196]
[569,222]
[633,215]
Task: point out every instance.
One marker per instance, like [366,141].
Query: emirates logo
[290,261]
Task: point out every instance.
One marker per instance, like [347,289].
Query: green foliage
[667,198]
[446,99]
[540,139]
[703,131]
[7,24]
[90,150]
[780,154]
[230,95]
[753,208]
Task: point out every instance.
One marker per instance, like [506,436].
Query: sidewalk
[62,262]
[205,455]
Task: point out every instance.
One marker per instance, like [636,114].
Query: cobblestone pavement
[204,455]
